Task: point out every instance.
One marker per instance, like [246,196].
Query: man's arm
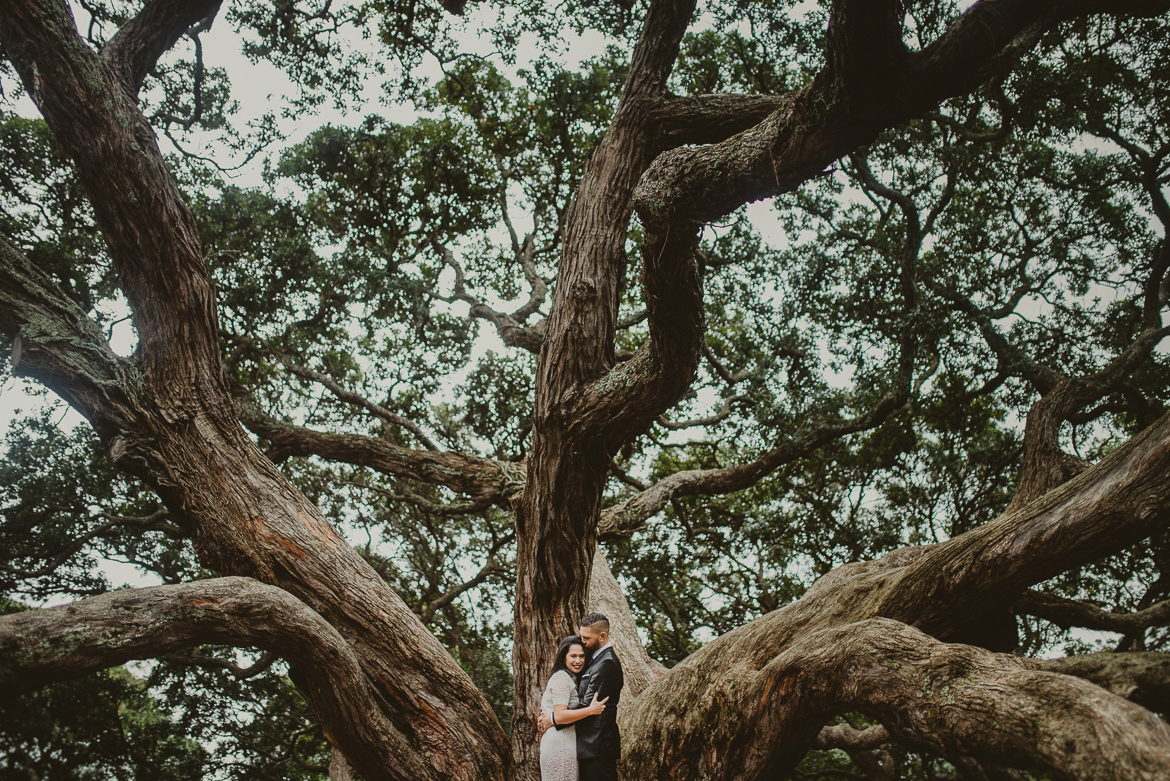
[609,685]
[603,682]
[596,681]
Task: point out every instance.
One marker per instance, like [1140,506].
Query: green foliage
[122,732]
[65,512]
[503,420]
[382,184]
[255,725]
[43,211]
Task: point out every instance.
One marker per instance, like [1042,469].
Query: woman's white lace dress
[558,747]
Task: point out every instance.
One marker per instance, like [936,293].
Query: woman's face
[576,658]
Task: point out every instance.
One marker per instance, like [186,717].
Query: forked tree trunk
[572,440]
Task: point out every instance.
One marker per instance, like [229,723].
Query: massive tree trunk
[581,414]
[167,416]
[749,704]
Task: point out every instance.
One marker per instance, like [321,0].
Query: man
[599,746]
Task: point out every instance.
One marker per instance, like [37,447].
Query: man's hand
[544,722]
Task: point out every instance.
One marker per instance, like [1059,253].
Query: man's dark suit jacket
[597,736]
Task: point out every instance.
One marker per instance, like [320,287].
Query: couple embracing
[580,706]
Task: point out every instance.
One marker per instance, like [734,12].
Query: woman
[558,747]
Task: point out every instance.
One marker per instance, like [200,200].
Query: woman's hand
[596,707]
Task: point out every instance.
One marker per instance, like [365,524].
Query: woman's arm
[563,715]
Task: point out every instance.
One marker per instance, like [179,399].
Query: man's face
[592,638]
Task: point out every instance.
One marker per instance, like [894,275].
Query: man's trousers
[599,769]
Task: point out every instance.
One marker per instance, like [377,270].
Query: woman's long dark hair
[563,654]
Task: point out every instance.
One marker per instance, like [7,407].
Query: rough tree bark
[747,705]
[580,419]
[168,417]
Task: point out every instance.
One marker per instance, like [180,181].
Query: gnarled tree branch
[623,519]
[1142,677]
[510,327]
[709,119]
[846,738]
[479,478]
[42,646]
[149,231]
[940,588]
[958,700]
[136,47]
[1067,613]
[55,342]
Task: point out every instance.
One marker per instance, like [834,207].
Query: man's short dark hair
[596,621]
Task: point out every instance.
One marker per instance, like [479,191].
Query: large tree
[938,387]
